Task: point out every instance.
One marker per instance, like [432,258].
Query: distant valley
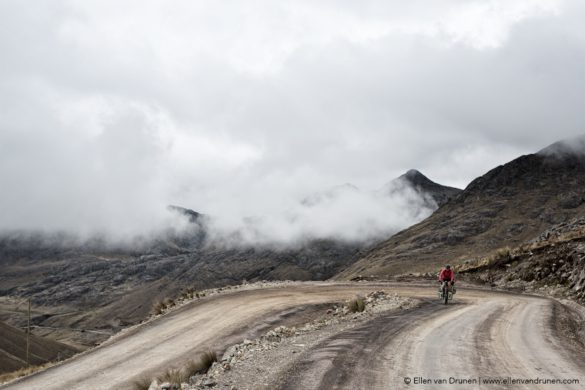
[82,293]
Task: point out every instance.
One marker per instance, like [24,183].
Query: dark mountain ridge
[508,205]
[426,187]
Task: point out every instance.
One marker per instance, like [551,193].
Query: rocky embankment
[552,264]
[260,363]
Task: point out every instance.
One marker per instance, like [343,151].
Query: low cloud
[341,213]
[569,147]
[111,111]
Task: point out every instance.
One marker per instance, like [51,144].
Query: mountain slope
[509,205]
[13,349]
[101,289]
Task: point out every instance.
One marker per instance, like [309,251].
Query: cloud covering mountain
[111,111]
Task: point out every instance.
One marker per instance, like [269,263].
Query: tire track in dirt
[488,335]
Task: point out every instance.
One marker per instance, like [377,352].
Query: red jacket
[447,274]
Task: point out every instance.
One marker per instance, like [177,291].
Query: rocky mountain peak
[572,147]
[423,185]
[554,167]
[416,177]
[192,215]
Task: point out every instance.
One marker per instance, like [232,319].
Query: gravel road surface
[481,339]
[482,335]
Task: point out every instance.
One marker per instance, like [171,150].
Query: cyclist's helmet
[448,266]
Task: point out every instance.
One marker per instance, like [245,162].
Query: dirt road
[475,343]
[211,323]
[483,335]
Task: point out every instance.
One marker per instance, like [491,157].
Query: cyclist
[447,275]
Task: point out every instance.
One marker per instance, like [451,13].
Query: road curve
[213,322]
[472,344]
[482,335]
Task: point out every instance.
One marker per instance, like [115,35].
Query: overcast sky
[110,110]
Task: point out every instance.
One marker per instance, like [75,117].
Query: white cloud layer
[343,212]
[112,110]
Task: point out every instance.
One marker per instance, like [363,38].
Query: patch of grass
[174,376]
[193,368]
[201,365]
[356,305]
[190,292]
[497,258]
[9,376]
[503,252]
[159,307]
[177,376]
[142,383]
[208,358]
